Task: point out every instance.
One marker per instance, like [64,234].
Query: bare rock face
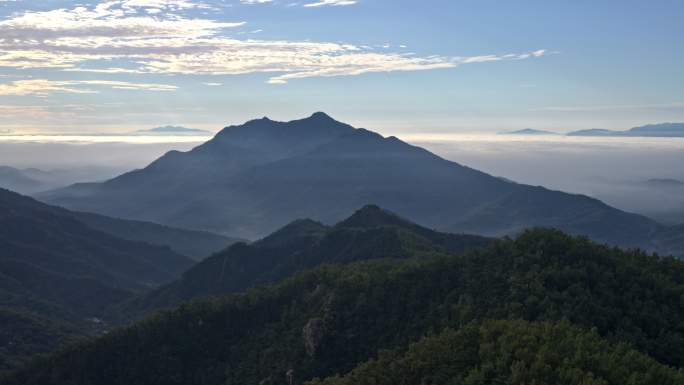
[313,334]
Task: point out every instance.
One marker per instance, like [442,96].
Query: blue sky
[396,66]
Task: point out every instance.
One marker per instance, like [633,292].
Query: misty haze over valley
[634,174]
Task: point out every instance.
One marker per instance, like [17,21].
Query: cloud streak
[45,87]
[334,3]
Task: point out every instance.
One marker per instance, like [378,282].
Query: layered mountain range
[252,179]
[370,233]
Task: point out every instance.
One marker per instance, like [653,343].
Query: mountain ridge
[322,169]
[660,130]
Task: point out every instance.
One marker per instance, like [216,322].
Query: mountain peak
[373,216]
[320,115]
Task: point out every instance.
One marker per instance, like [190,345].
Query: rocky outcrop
[313,334]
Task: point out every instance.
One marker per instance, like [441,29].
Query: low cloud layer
[615,170]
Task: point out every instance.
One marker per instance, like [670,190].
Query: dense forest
[511,352]
[578,313]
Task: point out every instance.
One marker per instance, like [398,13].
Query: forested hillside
[332,319]
[511,352]
[370,233]
[58,275]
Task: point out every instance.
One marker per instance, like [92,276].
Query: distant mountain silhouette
[370,233]
[594,132]
[252,179]
[174,130]
[528,131]
[665,182]
[665,130]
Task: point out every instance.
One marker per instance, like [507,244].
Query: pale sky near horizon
[395,66]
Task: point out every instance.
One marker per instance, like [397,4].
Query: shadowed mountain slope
[52,239]
[253,179]
[59,272]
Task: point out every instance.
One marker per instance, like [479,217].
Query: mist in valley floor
[643,175]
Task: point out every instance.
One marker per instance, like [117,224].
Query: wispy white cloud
[367,62]
[45,87]
[335,3]
[319,3]
[91,39]
[252,2]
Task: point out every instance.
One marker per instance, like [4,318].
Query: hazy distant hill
[665,130]
[665,183]
[528,131]
[370,233]
[24,181]
[173,130]
[253,179]
[31,180]
[594,132]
